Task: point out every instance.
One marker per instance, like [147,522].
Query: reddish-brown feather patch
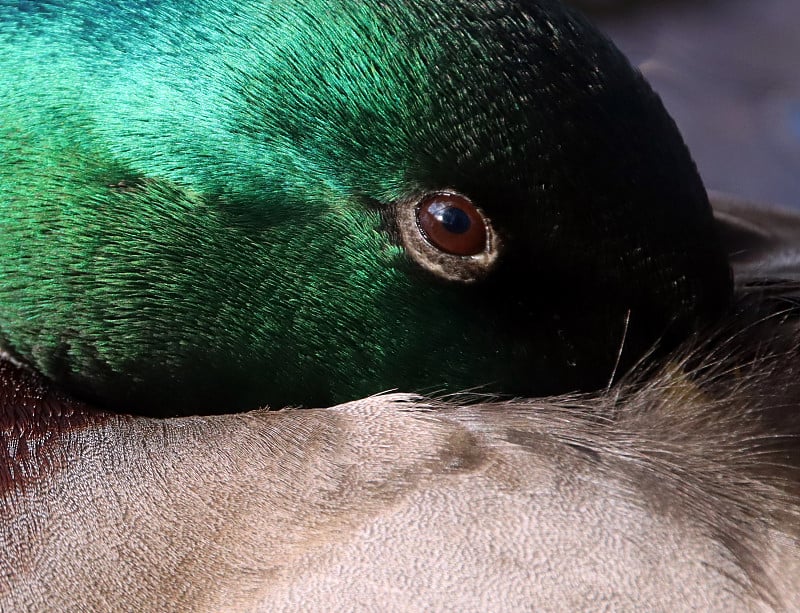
[34,419]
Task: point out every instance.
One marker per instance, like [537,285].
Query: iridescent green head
[215,205]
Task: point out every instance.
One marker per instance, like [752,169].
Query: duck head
[211,206]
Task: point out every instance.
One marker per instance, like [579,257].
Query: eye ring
[460,245]
[452,223]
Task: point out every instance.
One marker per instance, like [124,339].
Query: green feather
[199,200]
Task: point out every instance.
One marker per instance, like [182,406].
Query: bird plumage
[206,206]
[185,226]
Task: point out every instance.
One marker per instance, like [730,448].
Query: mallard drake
[675,486]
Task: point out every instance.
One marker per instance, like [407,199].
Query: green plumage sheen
[202,202]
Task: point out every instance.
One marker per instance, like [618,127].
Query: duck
[209,208]
[649,457]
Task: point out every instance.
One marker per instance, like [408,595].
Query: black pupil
[452,218]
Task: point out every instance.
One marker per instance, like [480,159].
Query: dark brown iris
[451,223]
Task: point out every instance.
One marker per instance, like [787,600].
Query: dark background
[729,73]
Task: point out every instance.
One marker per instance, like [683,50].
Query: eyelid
[446,266]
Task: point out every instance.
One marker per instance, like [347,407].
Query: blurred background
[729,73]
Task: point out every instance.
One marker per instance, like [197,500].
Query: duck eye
[452,224]
[447,235]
